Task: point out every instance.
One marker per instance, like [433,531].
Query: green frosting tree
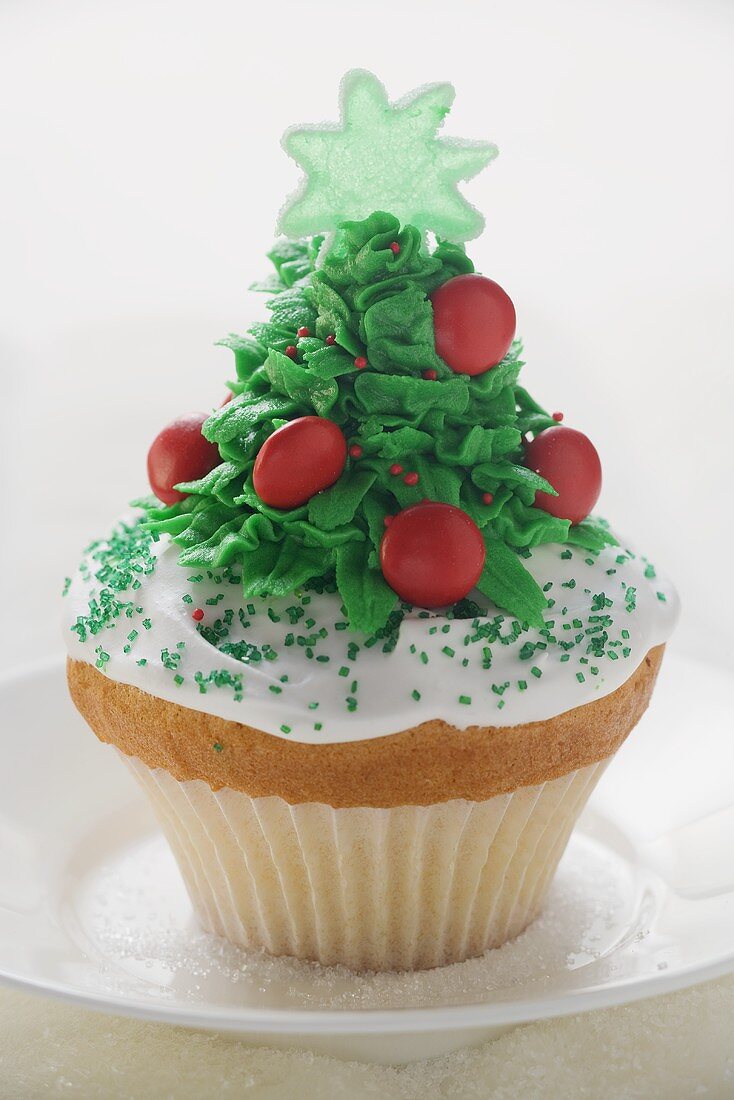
[363,298]
[351,338]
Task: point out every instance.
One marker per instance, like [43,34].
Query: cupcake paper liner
[405,888]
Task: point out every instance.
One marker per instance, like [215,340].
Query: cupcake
[367,648]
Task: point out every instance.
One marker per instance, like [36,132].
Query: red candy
[411,478]
[299,460]
[432,554]
[180,453]
[569,461]
[360,362]
[474,323]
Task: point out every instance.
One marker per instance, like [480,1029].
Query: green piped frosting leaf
[461,435]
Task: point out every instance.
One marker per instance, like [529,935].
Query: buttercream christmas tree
[377,441]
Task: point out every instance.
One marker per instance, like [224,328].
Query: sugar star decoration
[384,156]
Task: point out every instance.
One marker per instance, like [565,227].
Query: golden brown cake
[367,648]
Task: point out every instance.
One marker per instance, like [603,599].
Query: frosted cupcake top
[292,667]
[378,497]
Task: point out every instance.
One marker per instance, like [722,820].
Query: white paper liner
[405,888]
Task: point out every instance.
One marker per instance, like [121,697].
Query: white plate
[92,909]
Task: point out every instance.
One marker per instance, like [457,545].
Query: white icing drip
[278,695]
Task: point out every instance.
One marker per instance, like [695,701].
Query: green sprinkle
[416,695]
[285,729]
[317,726]
[344,671]
[650,571]
[465,700]
[580,677]
[535,671]
[522,685]
[217,747]
[178,679]
[142,662]
[67,586]
[449,651]
[662,597]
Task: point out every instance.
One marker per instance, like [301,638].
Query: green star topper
[384,156]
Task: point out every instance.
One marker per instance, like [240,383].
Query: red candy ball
[569,461]
[299,460]
[474,323]
[432,554]
[180,453]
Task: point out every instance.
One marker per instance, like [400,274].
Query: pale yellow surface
[417,886]
[668,1048]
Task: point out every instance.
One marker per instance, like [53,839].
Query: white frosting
[430,673]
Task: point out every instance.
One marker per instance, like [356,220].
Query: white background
[140,178]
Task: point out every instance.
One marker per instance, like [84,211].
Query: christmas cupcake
[367,649]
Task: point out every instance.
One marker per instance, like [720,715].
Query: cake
[367,648]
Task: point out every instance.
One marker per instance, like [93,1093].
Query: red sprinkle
[487,498]
[291,351]
[558,417]
[303,331]
[355,450]
[394,247]
[430,375]
[360,362]
[396,469]
[388,520]
[411,478]
[197,614]
[331,339]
